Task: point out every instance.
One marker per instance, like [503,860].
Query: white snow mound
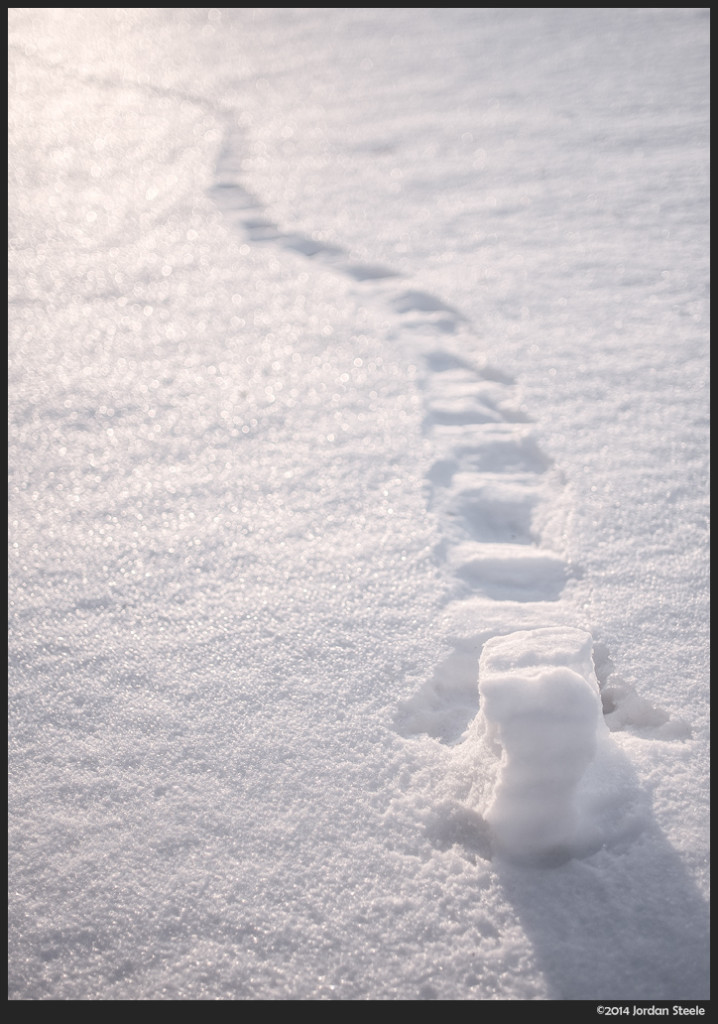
[542,721]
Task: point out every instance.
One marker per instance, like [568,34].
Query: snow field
[347,368]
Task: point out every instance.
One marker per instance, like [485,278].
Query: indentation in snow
[510,572]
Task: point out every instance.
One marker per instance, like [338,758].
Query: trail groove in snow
[486,480]
[492,489]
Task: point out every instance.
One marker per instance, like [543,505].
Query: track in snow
[491,488]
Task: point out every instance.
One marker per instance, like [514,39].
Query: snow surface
[358,443]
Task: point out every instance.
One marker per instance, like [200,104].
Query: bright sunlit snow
[358,502]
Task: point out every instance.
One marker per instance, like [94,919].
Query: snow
[358,503]
[541,713]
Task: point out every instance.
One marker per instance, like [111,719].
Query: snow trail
[503,514]
[489,486]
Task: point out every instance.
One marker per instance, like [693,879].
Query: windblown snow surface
[358,503]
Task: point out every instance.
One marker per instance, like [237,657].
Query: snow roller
[542,722]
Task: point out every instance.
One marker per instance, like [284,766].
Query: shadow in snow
[642,935]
